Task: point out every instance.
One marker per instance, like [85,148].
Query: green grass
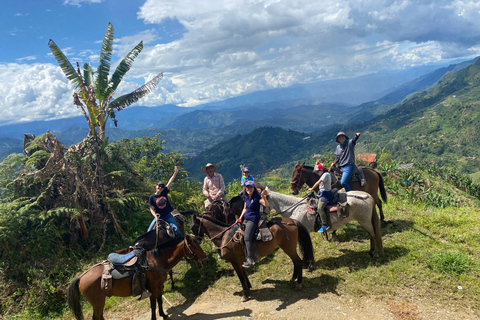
[430,253]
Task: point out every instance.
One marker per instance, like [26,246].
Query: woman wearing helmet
[251,213]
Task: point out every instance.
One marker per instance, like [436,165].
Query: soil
[218,303]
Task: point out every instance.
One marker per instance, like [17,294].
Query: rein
[293,205]
[217,235]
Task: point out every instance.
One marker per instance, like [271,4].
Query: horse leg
[249,285]
[98,306]
[170,273]
[378,202]
[153,307]
[243,277]
[160,305]
[378,233]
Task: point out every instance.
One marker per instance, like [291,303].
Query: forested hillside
[438,125]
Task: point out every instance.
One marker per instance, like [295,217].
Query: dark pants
[250,229]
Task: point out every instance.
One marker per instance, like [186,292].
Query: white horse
[362,209]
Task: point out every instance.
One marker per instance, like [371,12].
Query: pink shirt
[213,187]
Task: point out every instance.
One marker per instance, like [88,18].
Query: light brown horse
[286,234]
[159,261]
[302,174]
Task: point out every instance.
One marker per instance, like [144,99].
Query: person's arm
[239,220]
[205,188]
[221,187]
[357,135]
[175,172]
[315,185]
[335,161]
[152,211]
[264,201]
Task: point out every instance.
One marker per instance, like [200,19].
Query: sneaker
[324,228]
[248,263]
[145,294]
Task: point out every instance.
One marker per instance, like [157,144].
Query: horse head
[194,251]
[196,225]
[296,178]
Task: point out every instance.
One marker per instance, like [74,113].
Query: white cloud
[233,47]
[34,92]
[79,3]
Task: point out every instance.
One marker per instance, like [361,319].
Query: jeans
[250,229]
[171,221]
[346,175]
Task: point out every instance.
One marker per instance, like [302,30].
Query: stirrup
[145,294]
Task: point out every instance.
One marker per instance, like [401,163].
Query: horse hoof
[244,299]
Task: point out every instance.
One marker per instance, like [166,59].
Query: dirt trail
[216,303]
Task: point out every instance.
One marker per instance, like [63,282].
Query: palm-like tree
[94,94]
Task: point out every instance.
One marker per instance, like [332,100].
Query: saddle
[338,203]
[357,176]
[119,266]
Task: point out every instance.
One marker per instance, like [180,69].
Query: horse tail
[306,247]
[381,186]
[73,297]
[378,231]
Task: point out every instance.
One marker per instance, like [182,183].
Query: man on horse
[325,193]
[345,157]
[213,185]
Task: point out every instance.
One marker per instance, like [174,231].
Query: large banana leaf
[88,74]
[132,97]
[123,68]
[104,64]
[66,66]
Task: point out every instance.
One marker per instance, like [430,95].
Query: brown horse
[221,211]
[302,174]
[159,261]
[286,234]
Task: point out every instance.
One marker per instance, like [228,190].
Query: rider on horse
[160,207]
[213,185]
[325,193]
[345,157]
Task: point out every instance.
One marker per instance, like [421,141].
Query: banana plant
[94,91]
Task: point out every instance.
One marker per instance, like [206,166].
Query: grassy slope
[409,270]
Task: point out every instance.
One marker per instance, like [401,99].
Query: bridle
[214,237]
[187,250]
[296,184]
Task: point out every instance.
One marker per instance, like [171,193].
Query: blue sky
[214,50]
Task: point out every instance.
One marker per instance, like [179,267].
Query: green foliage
[10,168]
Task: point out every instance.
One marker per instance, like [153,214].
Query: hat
[250,183]
[245,169]
[161,184]
[215,167]
[320,167]
[341,133]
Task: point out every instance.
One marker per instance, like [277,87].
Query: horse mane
[211,219]
[285,198]
[308,167]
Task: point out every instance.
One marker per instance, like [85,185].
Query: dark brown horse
[221,211]
[302,174]
[159,261]
[286,234]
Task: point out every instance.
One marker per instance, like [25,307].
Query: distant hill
[439,125]
[262,150]
[194,130]
[10,145]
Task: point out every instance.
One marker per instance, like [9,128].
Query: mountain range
[300,111]
[438,125]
